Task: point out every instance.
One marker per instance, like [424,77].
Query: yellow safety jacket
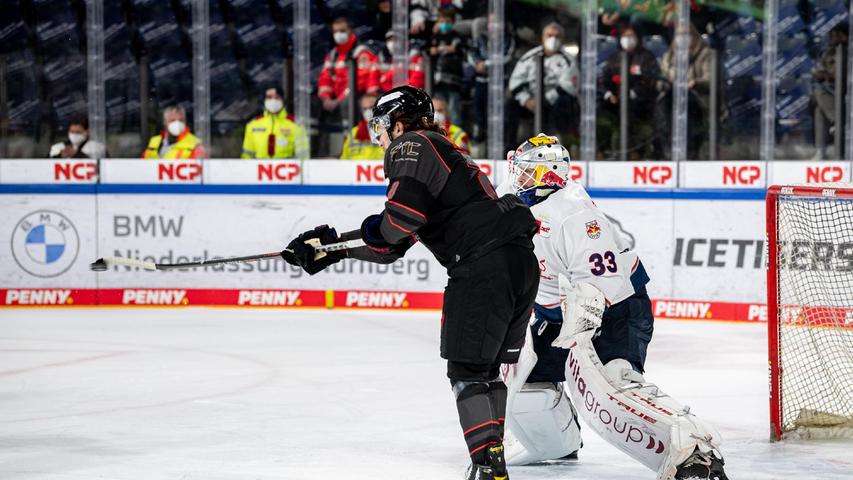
[357,145]
[187,146]
[458,136]
[272,135]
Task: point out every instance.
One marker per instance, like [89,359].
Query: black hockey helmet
[400,102]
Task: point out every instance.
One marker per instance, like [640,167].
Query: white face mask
[628,42]
[340,37]
[273,105]
[439,118]
[390,47]
[552,44]
[367,113]
[176,127]
[76,139]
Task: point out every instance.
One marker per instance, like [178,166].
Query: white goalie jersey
[577,240]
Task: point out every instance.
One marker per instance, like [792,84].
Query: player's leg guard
[481,404]
[634,415]
[542,424]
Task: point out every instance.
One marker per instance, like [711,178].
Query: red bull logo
[593,231]
[552,179]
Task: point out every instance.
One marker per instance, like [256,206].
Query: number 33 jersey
[577,240]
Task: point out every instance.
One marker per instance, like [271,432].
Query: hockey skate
[701,466]
[495,470]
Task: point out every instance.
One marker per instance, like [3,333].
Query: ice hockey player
[438,196]
[587,340]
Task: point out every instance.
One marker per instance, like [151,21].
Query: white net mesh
[815,305]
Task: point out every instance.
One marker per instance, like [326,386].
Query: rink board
[704,249]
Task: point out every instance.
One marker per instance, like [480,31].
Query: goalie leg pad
[542,425]
[632,414]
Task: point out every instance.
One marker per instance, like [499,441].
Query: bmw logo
[45,243]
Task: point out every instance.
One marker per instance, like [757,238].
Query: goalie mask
[537,168]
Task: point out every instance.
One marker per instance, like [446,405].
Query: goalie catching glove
[582,308]
[301,250]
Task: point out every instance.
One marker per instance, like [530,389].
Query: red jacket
[334,78]
[416,72]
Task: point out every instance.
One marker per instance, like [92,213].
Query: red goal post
[810,310]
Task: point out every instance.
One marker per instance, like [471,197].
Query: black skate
[701,466]
[495,470]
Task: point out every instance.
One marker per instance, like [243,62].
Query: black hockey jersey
[437,195]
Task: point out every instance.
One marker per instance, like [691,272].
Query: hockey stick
[102,264]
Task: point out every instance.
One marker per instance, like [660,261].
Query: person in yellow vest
[357,145]
[454,132]
[273,134]
[176,141]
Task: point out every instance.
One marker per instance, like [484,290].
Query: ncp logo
[45,243]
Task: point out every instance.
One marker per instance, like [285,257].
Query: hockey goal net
[810,310]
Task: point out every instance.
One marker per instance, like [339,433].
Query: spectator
[357,145]
[333,85]
[416,62]
[78,144]
[272,134]
[382,21]
[478,58]
[176,141]
[447,53]
[422,15]
[824,78]
[560,109]
[454,133]
[643,75]
[698,84]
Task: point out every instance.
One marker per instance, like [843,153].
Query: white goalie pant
[541,422]
[631,414]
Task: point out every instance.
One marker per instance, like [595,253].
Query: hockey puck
[98,265]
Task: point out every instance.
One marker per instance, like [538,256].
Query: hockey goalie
[586,346]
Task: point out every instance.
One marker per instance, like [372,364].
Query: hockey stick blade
[103,264]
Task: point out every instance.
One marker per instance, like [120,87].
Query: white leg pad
[632,414]
[542,425]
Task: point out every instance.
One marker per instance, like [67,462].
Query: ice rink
[195,393]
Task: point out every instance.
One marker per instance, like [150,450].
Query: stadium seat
[24,105]
[13,30]
[657,45]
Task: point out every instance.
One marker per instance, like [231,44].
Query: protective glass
[377,125]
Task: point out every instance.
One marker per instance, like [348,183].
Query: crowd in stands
[251,57]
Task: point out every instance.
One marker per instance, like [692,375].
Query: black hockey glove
[372,237]
[300,251]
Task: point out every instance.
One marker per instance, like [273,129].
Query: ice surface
[212,394]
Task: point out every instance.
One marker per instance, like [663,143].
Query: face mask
[273,105]
[439,118]
[175,128]
[76,138]
[628,42]
[390,46]
[445,27]
[552,44]
[340,37]
[367,113]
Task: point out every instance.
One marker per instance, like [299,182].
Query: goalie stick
[102,264]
